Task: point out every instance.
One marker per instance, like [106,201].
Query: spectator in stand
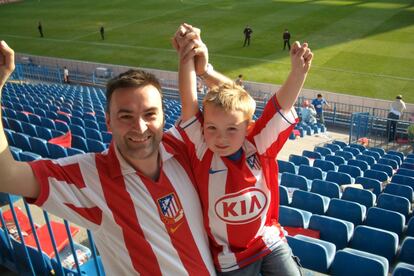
[239,81]
[318,104]
[138,197]
[65,75]
[308,113]
[397,107]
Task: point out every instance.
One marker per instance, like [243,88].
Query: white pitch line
[322,68]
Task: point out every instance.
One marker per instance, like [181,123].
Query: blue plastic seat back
[15,125]
[389,162]
[358,263]
[375,241]
[324,165]
[56,151]
[39,146]
[406,172]
[346,210]
[352,150]
[333,147]
[309,172]
[361,196]
[337,160]
[397,153]
[400,190]
[375,174]
[21,141]
[293,217]
[299,160]
[48,123]
[370,184]
[311,202]
[403,269]
[385,168]
[323,151]
[361,148]
[403,179]
[369,159]
[381,151]
[79,143]
[339,178]
[333,230]
[340,143]
[346,155]
[393,157]
[363,165]
[95,145]
[312,154]
[395,203]
[283,196]
[44,133]
[386,220]
[374,154]
[294,181]
[326,188]
[353,171]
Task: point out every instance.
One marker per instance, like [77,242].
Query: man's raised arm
[15,177]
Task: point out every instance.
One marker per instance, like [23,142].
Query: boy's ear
[250,125]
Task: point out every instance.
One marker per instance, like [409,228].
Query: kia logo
[241,207]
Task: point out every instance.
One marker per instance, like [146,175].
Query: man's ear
[108,122]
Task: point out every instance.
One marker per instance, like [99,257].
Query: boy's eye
[211,127]
[232,129]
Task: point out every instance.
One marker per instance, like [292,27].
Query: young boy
[234,160]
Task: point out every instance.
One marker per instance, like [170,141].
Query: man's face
[136,120]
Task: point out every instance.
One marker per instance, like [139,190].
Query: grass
[361,47]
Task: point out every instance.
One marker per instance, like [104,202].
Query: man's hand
[301,57]
[188,43]
[6,62]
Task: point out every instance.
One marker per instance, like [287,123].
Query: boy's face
[224,131]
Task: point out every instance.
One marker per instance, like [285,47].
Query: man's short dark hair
[319,95]
[130,79]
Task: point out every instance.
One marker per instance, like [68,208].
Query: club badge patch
[170,208]
[253,162]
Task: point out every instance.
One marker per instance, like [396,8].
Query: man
[102,32]
[318,104]
[286,39]
[239,81]
[137,197]
[40,28]
[65,75]
[397,107]
[247,34]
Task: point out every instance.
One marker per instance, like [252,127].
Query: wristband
[207,73]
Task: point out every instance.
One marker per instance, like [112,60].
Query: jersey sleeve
[272,129]
[192,134]
[64,190]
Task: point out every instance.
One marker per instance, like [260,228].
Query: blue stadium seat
[78,121]
[407,166]
[21,141]
[374,154]
[61,126]
[403,269]
[353,171]
[385,168]
[290,180]
[358,263]
[339,178]
[39,146]
[5,122]
[333,230]
[344,154]
[92,133]
[35,119]
[22,117]
[91,124]
[44,133]
[393,157]
[395,203]
[361,196]
[293,217]
[314,254]
[352,150]
[56,151]
[74,151]
[375,241]
[51,115]
[404,180]
[389,162]
[409,160]
[400,190]
[340,143]
[63,118]
[323,151]
[79,143]
[299,160]
[48,123]
[370,184]
[29,129]
[311,202]
[283,196]
[15,125]
[27,156]
[397,153]
[107,137]
[40,112]
[410,227]
[369,159]
[103,127]
[375,174]
[406,172]
[326,188]
[77,130]
[87,116]
[361,148]
[311,154]
[324,165]
[9,137]
[346,210]
[381,151]
[333,147]
[337,160]
[386,220]
[309,172]
[286,166]
[95,145]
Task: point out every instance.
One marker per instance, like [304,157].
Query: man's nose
[141,125]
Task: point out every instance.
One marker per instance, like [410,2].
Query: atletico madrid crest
[170,208]
[253,162]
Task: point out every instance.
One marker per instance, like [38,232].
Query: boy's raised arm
[15,177]
[301,57]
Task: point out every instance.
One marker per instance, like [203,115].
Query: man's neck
[150,167]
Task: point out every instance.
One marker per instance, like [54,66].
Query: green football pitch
[362,48]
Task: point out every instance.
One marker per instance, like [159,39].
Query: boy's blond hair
[231,97]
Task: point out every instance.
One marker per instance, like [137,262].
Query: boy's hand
[6,62]
[301,57]
[188,43]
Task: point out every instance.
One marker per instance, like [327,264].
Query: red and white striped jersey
[241,199]
[140,227]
